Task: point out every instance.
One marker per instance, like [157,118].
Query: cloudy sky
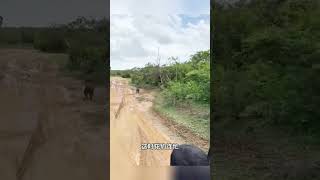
[46,12]
[178,28]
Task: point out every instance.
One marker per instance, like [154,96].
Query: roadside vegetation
[184,90]
[266,87]
[266,64]
[84,40]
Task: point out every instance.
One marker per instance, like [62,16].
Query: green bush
[10,36]
[27,35]
[86,58]
[264,66]
[180,82]
[50,40]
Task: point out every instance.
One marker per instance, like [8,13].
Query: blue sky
[160,7]
[186,19]
[202,6]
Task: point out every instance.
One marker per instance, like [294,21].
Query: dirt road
[133,123]
[46,130]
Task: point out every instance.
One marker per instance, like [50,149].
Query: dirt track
[46,130]
[131,124]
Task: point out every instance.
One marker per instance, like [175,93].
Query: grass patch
[195,117]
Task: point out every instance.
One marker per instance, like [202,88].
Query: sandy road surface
[131,124]
[46,130]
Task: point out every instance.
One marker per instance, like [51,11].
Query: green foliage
[84,40]
[86,59]
[180,82]
[121,73]
[10,36]
[149,76]
[17,36]
[27,35]
[265,63]
[50,40]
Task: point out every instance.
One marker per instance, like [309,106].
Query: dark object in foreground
[191,163]
[191,173]
[137,90]
[188,155]
[88,91]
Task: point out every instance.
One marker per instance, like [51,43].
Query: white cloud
[135,39]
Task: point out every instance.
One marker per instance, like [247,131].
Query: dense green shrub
[180,82]
[27,35]
[16,36]
[50,40]
[87,59]
[265,63]
[10,36]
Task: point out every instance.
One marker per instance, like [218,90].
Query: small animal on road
[88,90]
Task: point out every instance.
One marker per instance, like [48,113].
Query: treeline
[179,82]
[85,40]
[267,64]
[121,73]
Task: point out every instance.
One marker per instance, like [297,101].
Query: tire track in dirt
[129,128]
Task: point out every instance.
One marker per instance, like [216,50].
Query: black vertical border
[211,85]
[108,96]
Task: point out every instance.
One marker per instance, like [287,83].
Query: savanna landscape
[160,87]
[172,103]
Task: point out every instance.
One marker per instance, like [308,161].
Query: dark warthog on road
[88,90]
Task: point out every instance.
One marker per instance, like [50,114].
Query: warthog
[88,90]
